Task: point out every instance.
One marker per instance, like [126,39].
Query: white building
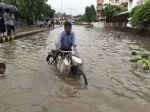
[111,2]
[114,2]
[133,3]
[101,5]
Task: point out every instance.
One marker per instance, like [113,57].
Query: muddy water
[32,85]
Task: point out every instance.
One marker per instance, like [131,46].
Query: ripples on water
[106,55]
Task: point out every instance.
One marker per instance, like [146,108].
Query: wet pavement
[32,85]
[24,28]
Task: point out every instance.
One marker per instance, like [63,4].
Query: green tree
[90,14]
[83,18]
[140,15]
[32,9]
[110,10]
[10,1]
[48,11]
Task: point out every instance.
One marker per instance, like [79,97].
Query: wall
[98,24]
[112,2]
[117,21]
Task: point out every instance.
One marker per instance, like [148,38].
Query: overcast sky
[75,7]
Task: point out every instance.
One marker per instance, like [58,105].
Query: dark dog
[2,68]
[48,56]
[53,54]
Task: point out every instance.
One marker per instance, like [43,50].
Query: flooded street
[32,85]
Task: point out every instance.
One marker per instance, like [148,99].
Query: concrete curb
[6,39]
[22,34]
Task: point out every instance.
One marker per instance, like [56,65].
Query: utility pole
[61,13]
[71,11]
[61,8]
[60,16]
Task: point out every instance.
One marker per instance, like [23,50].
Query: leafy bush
[134,10]
[79,22]
[141,60]
[140,15]
[124,9]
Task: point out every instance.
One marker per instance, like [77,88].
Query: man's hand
[58,50]
[57,47]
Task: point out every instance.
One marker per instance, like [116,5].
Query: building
[115,2]
[124,3]
[133,3]
[112,2]
[101,3]
[99,9]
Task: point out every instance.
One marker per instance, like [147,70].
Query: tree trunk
[89,23]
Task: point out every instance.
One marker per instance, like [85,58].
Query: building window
[114,0]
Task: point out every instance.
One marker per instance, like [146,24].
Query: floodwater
[32,85]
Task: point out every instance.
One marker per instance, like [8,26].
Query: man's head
[7,10]
[1,10]
[67,27]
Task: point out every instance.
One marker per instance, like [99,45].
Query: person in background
[49,23]
[45,23]
[13,24]
[2,69]
[7,19]
[52,22]
[2,24]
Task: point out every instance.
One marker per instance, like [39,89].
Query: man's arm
[57,41]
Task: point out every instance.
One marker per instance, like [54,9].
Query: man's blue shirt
[66,41]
